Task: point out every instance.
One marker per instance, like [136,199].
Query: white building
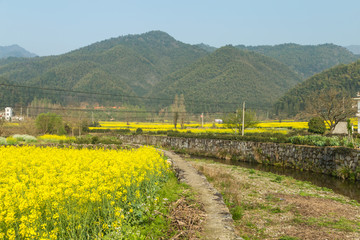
[218,121]
[9,113]
[358,107]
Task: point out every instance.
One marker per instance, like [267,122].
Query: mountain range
[229,75]
[306,60]
[145,69]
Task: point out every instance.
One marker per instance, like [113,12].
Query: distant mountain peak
[355,49]
[15,51]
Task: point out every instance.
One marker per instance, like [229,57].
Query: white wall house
[9,113]
[358,112]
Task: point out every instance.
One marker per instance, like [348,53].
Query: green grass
[288,238]
[156,224]
[341,224]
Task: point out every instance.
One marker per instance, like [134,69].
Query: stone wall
[338,161]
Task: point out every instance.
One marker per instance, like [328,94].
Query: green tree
[234,120]
[50,123]
[316,125]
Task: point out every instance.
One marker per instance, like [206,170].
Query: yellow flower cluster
[274,126]
[148,126]
[283,124]
[354,122]
[55,138]
[11,124]
[51,193]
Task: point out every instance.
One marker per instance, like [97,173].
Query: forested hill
[229,75]
[206,47]
[129,64]
[15,51]
[306,60]
[344,78]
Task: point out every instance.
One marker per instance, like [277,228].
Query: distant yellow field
[268,126]
[280,127]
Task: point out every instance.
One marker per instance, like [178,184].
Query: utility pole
[243,120]
[202,119]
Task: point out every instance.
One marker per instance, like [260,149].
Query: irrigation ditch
[336,161]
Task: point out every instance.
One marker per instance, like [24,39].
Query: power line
[110,94]
[111,110]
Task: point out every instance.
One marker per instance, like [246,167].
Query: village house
[9,113]
[358,112]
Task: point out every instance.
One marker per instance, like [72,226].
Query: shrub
[84,140]
[50,123]
[95,139]
[122,130]
[317,125]
[139,131]
[24,138]
[317,140]
[11,140]
[2,140]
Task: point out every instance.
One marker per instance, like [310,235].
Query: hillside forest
[146,71]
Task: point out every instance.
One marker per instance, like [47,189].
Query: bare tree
[175,110]
[182,111]
[179,111]
[1,126]
[331,105]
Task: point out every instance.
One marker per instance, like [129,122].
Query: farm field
[265,205]
[262,127]
[53,193]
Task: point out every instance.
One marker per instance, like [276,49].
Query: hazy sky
[50,27]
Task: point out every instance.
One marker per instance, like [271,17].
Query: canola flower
[287,124]
[51,193]
[144,125]
[263,127]
[55,138]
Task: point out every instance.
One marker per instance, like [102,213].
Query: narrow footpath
[218,224]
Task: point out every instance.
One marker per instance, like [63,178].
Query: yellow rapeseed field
[279,127]
[52,193]
[55,138]
[262,127]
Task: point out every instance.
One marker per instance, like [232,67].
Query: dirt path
[218,223]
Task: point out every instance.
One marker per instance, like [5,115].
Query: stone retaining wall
[338,161]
